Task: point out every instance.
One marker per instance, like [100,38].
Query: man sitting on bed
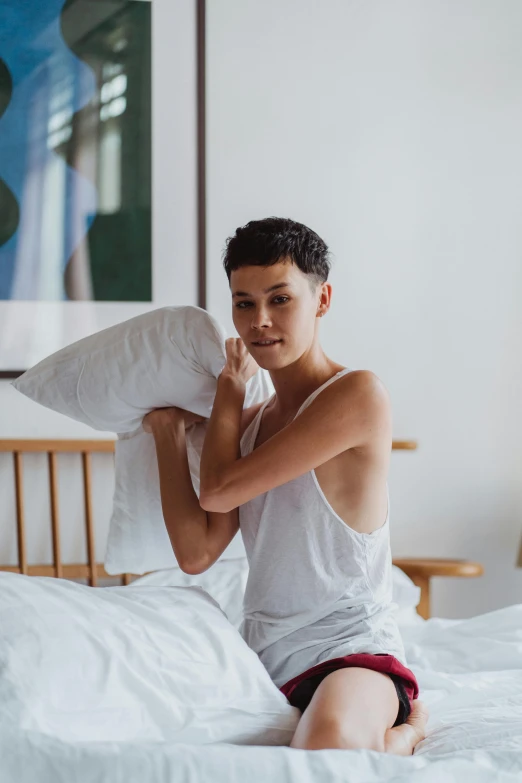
[304,476]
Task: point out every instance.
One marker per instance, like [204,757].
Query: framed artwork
[102,118]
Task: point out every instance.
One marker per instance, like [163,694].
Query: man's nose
[260,318]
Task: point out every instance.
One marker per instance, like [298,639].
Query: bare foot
[402,739]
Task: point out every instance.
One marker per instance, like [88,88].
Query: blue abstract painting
[75,150]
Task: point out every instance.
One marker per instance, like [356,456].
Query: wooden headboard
[420,571]
[93,571]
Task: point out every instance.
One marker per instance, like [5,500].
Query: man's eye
[286,298]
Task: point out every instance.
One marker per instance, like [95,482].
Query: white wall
[393,129]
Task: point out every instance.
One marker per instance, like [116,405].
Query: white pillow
[110,380]
[225,582]
[136,663]
[406,596]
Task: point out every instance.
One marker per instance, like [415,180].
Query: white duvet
[469,673]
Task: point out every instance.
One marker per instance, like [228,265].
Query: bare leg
[351,708]
[356,708]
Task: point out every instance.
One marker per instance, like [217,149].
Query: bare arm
[198,537]
[222,438]
[350,413]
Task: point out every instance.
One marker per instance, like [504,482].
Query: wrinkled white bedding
[127,664]
[470,676]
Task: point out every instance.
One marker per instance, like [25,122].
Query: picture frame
[30,330]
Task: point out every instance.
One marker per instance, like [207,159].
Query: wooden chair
[420,571]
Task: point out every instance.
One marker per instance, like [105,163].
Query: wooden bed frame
[420,571]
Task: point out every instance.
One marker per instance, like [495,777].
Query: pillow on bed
[109,381]
[135,663]
[406,595]
[225,582]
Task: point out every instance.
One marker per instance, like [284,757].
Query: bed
[469,672]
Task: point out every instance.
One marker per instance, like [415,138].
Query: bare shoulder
[368,381]
[368,394]
[366,388]
[248,415]
[359,397]
[364,385]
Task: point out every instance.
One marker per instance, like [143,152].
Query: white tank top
[316,588]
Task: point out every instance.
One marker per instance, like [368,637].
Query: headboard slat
[55,527]
[20,520]
[87,496]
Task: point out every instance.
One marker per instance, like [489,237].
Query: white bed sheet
[470,676]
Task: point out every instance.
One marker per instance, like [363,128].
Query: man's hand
[240,365]
[162,417]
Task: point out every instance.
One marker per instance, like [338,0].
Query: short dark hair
[265,242]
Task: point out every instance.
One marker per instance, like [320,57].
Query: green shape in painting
[120,256]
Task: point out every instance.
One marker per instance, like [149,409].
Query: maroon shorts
[300,689]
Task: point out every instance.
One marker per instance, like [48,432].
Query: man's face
[286,313]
